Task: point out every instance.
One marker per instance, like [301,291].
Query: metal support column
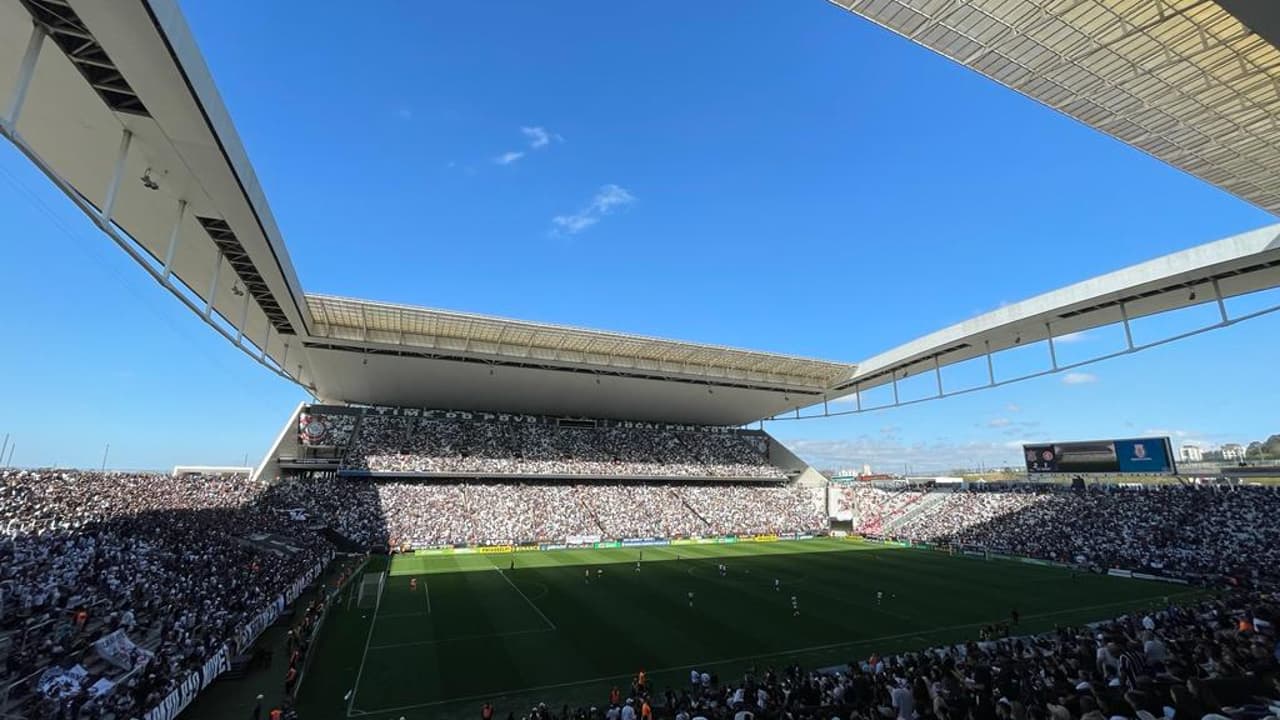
[1053,351]
[857,395]
[244,315]
[1222,306]
[213,287]
[173,242]
[26,71]
[1128,332]
[109,205]
[266,340]
[991,369]
[937,374]
[894,377]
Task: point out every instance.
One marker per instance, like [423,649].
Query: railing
[8,692]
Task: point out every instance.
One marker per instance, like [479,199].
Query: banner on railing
[494,549]
[764,538]
[191,685]
[220,662]
[58,682]
[119,650]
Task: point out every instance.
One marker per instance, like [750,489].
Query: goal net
[370,590]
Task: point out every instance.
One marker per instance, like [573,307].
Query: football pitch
[453,631]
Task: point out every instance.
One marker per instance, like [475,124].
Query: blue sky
[773,175]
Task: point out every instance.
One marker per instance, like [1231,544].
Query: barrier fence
[220,662]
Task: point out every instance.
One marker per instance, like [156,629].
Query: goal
[370,590]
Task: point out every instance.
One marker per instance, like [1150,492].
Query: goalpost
[370,590]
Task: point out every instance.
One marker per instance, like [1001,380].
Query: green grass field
[475,630]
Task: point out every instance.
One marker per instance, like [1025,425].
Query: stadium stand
[117,586]
[444,443]
[1186,530]
[426,514]
[154,577]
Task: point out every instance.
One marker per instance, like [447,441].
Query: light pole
[105,450]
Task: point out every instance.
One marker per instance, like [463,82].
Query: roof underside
[1183,80]
[501,340]
[1227,268]
[120,111]
[382,354]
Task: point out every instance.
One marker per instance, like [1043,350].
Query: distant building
[1232,452]
[1191,453]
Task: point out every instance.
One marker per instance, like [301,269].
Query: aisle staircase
[921,506]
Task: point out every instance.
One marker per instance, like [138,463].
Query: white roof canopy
[1183,80]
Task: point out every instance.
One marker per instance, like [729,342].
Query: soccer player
[637,566]
[413,584]
[879,597]
[599,573]
[690,598]
[795,607]
[776,585]
[586,576]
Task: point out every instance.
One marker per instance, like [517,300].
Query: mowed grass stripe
[616,624]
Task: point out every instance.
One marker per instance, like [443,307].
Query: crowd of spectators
[1178,529]
[488,445]
[168,561]
[1215,660]
[428,513]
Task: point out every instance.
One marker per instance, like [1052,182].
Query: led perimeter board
[1138,455]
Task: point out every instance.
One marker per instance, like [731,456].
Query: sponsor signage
[644,542]
[494,549]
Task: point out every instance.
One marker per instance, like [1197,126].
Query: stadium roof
[1207,274]
[114,103]
[1183,80]
[500,340]
[383,354]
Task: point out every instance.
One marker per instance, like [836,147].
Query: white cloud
[606,201]
[507,158]
[1013,407]
[999,422]
[1071,337]
[538,136]
[1079,378]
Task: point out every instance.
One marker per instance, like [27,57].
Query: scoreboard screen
[1137,455]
